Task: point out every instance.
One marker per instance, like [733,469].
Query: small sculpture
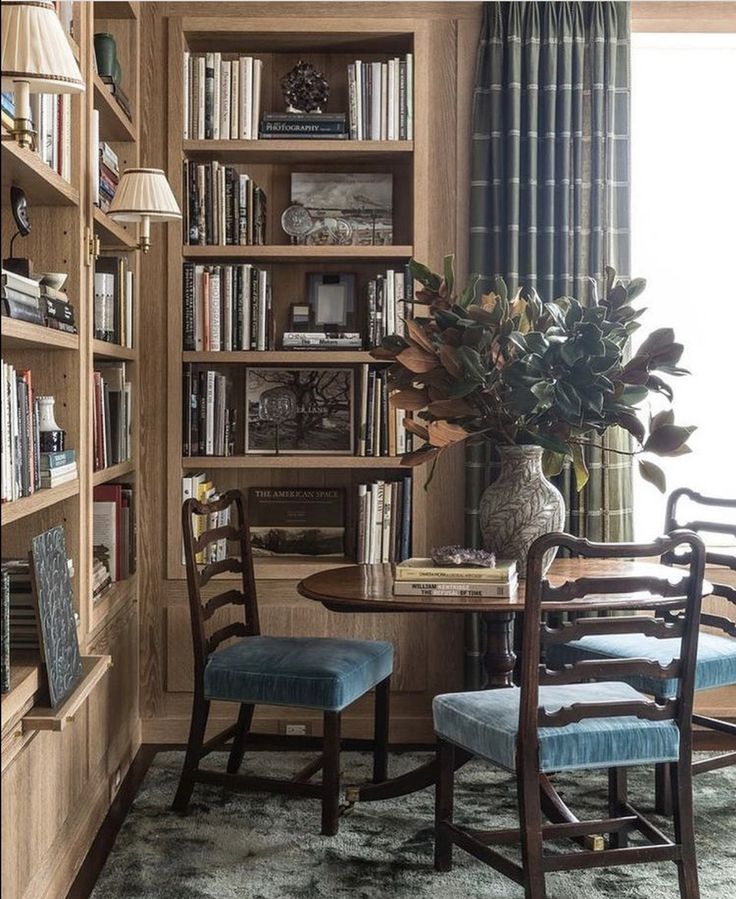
[305,89]
[460,556]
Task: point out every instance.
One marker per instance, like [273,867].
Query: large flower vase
[519,506]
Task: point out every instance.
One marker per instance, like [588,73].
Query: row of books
[25,468]
[384,521]
[26,299]
[382,431]
[198,486]
[108,176]
[381,99]
[209,424]
[113,529]
[422,577]
[222,206]
[227,307]
[389,298]
[222,96]
[4,630]
[112,409]
[114,300]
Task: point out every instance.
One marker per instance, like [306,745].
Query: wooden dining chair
[716,661]
[561,721]
[322,673]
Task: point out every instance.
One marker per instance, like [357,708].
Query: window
[684,244]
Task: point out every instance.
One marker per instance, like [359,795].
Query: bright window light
[684,243]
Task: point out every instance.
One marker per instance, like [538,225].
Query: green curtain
[550,197]
[550,191]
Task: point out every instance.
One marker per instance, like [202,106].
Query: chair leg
[380,731]
[245,717]
[617,794]
[682,791]
[443,804]
[331,774]
[200,713]
[530,819]
[663,789]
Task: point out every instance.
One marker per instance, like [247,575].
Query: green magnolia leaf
[610,279]
[448,264]
[653,474]
[635,287]
[657,385]
[552,463]
[667,438]
[467,297]
[579,466]
[499,287]
[424,275]
[656,341]
[632,424]
[549,443]
[665,417]
[570,352]
[568,401]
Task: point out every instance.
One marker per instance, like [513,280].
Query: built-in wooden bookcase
[69,779]
[330,44]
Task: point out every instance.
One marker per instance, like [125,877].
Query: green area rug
[258,846]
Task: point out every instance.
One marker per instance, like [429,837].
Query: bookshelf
[330,43]
[100,719]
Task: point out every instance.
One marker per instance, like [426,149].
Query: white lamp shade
[144,192]
[35,49]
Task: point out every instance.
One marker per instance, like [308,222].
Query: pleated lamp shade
[36,50]
[141,193]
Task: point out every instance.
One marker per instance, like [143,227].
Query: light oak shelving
[94,669]
[113,472]
[291,461]
[36,502]
[42,185]
[290,253]
[25,335]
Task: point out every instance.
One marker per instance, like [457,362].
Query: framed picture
[52,588]
[300,317]
[299,411]
[332,301]
[344,208]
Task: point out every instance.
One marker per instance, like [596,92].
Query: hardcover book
[425,570]
[297,521]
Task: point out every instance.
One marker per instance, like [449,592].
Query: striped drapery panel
[550,198]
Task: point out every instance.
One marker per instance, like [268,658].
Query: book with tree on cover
[425,570]
[297,521]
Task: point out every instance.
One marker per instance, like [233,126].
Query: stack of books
[209,424]
[227,307]
[389,297]
[101,579]
[381,99]
[384,521]
[21,464]
[114,300]
[198,486]
[382,431]
[321,340]
[58,468]
[109,175]
[222,97]
[113,526]
[421,577]
[25,299]
[304,125]
[23,631]
[111,391]
[222,206]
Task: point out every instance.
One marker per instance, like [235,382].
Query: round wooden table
[369,588]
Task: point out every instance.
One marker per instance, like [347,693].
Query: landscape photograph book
[416,569]
[297,521]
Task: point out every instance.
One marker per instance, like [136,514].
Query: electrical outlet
[296,730]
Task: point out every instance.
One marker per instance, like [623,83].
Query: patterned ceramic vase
[519,506]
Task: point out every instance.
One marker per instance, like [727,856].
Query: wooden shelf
[291,461]
[113,236]
[116,10]
[118,593]
[290,253]
[285,357]
[296,568]
[114,124]
[42,185]
[41,499]
[25,671]
[104,350]
[112,472]
[42,718]
[27,336]
[285,151]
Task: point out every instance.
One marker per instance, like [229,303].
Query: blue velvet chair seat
[311,672]
[716,665]
[487,722]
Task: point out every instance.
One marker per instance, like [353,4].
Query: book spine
[408,588]
[188,288]
[450,575]
[409,96]
[225,100]
[352,103]
[210,413]
[402,99]
[235,100]
[186,113]
[209,95]
[359,135]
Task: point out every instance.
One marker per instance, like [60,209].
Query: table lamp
[142,195]
[36,58]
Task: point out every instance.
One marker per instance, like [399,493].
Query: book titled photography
[299,410]
[297,521]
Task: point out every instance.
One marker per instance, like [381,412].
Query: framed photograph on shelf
[300,317]
[297,521]
[332,301]
[300,411]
